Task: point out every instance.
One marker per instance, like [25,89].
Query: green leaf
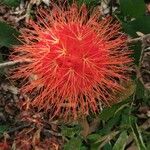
[73,144]
[137,52]
[107,113]
[83,148]
[8,35]
[70,131]
[11,3]
[141,24]
[133,8]
[137,136]
[94,147]
[104,141]
[107,146]
[126,118]
[108,137]
[139,90]
[93,137]
[129,29]
[121,141]
[109,125]
[142,93]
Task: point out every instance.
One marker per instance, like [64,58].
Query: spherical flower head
[77,60]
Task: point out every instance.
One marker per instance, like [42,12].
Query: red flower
[77,61]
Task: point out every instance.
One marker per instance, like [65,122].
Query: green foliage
[8,35]
[121,141]
[70,132]
[74,144]
[142,94]
[117,125]
[11,3]
[137,136]
[139,90]
[137,52]
[133,19]
[107,113]
[141,24]
[132,8]
[93,137]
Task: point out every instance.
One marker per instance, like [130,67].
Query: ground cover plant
[74,74]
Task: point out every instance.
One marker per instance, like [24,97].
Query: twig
[142,39]
[9,63]
[134,40]
[12,63]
